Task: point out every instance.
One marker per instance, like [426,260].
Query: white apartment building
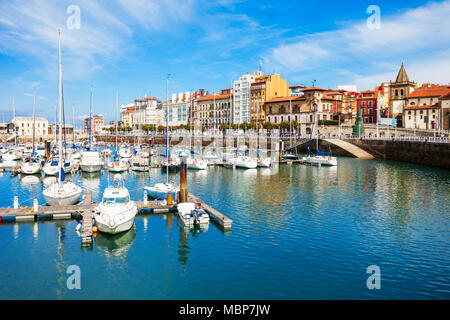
[241,97]
[178,109]
[147,112]
[24,126]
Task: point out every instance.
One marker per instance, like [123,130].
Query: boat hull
[125,226]
[53,201]
[90,167]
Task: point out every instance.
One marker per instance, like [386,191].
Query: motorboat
[91,161]
[12,155]
[139,164]
[191,213]
[116,212]
[30,166]
[162,190]
[197,164]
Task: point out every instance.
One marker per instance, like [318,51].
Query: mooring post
[35,205]
[280,151]
[150,152]
[145,197]
[183,180]
[47,150]
[16,202]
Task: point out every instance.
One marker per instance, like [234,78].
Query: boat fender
[78,227]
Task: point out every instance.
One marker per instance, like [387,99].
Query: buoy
[94,229]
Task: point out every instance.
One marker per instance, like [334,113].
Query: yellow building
[265,88]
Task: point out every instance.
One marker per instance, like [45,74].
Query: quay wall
[424,153]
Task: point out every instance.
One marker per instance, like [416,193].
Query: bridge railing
[418,139]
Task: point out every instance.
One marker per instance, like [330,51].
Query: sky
[131,46]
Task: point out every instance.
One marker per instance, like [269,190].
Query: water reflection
[29,180]
[116,246]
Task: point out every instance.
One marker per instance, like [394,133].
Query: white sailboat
[244,162]
[61,192]
[90,159]
[117,165]
[162,190]
[320,158]
[196,164]
[30,166]
[125,153]
[116,212]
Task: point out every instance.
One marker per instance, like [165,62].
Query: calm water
[299,232]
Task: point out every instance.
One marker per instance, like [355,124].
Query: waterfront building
[67,129]
[445,111]
[423,108]
[265,88]
[24,126]
[126,116]
[97,124]
[6,128]
[367,102]
[304,109]
[241,97]
[215,109]
[398,93]
[147,111]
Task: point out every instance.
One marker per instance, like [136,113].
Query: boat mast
[73,120]
[34,117]
[14,116]
[90,120]
[60,109]
[167,126]
[117,105]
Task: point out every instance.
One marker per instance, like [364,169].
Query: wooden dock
[223,220]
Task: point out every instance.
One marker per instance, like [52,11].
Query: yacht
[116,212]
[11,155]
[211,157]
[91,161]
[320,160]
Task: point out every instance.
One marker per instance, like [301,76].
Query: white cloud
[417,36]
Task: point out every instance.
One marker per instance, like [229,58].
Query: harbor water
[299,232]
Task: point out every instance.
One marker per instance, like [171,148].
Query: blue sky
[131,46]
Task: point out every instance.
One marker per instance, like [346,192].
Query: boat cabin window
[112,201]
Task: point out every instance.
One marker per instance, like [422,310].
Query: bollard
[170,199]
[183,180]
[35,205]
[16,202]
[145,197]
[281,151]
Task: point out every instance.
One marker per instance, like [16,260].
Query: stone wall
[425,153]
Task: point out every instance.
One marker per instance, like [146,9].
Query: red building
[97,124]
[367,103]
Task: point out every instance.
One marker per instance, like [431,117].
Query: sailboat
[116,165]
[61,192]
[320,158]
[31,165]
[116,212]
[162,190]
[90,159]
